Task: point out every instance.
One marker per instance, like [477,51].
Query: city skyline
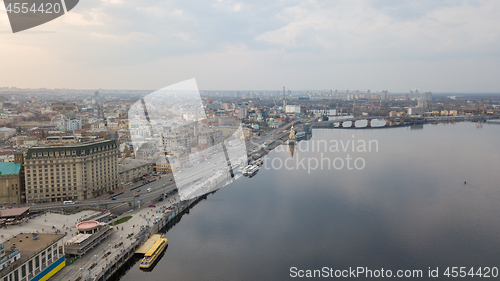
[261,140]
[445,46]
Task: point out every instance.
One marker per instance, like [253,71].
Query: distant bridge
[350,123]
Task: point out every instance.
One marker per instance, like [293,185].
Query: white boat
[250,170]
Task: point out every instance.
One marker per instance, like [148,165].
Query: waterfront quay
[106,256]
[111,254]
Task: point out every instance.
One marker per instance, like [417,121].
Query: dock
[148,244]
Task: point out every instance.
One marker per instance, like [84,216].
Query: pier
[148,244]
[117,251]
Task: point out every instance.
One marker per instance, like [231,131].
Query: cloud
[114,2]
[92,17]
[362,32]
[260,44]
[228,5]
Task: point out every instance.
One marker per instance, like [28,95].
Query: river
[400,204]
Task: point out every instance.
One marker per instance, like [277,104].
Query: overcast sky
[438,46]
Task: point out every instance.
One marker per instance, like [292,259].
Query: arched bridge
[370,122]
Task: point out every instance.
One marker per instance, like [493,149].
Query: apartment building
[71,171]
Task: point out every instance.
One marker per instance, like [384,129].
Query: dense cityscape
[71,154]
[50,123]
[249,140]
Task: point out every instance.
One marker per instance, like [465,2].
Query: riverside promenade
[110,254]
[113,252]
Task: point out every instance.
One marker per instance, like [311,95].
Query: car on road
[130,211]
[113,198]
[139,190]
[137,195]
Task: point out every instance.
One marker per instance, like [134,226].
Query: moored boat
[152,255]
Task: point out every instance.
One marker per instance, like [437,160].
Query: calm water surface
[407,209]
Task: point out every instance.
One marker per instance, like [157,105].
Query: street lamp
[80,273]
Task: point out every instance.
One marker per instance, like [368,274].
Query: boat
[245,170]
[300,136]
[152,255]
[258,162]
[250,170]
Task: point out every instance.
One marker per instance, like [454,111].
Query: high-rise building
[422,103]
[71,171]
[284,99]
[243,113]
[97,98]
[384,95]
[293,109]
[427,96]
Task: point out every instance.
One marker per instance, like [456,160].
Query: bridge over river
[378,122]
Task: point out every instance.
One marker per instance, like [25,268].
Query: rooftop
[26,242]
[129,164]
[13,212]
[80,148]
[87,225]
[29,246]
[9,168]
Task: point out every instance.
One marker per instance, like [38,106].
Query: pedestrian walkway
[97,260]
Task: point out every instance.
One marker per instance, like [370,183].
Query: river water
[400,204]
